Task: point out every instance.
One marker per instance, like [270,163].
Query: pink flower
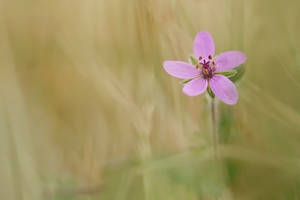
[208,71]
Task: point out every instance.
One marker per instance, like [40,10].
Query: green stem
[215,140]
[214,122]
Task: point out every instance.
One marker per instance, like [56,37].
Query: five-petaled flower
[208,71]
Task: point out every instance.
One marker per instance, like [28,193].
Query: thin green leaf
[185,81]
[194,61]
[228,74]
[240,73]
[211,94]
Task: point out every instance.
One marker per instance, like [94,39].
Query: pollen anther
[210,57]
[200,57]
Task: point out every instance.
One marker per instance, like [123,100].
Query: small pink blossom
[208,71]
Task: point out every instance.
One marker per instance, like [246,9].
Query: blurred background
[88,112]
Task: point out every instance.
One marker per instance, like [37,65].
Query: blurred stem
[214,122]
[215,138]
[14,161]
[145,150]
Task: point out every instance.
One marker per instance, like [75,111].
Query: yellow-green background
[88,112]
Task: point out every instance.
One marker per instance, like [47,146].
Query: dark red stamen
[205,64]
[207,69]
[210,57]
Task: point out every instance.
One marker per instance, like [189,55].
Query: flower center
[207,67]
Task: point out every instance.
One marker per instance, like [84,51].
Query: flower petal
[224,89]
[195,87]
[229,60]
[204,45]
[181,69]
